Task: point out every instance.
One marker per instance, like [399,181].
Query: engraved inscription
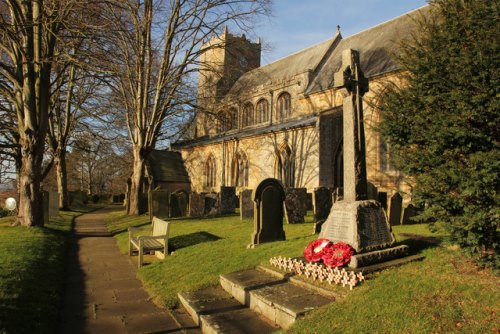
[373,228]
[340,228]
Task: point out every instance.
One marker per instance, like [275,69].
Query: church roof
[377,47]
[167,166]
[300,62]
[309,120]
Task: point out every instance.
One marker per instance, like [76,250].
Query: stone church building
[284,119]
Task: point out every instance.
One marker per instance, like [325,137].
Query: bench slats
[158,241]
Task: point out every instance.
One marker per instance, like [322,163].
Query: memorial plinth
[361,224]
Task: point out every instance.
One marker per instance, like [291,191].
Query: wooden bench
[157,241]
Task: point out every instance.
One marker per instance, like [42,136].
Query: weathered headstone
[309,202]
[360,222]
[159,204]
[179,203]
[295,205]
[382,198]
[246,204]
[53,204]
[395,209]
[268,198]
[227,200]
[143,203]
[409,212]
[196,204]
[322,199]
[211,204]
[371,191]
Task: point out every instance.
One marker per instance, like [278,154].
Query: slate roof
[377,47]
[295,123]
[167,166]
[300,62]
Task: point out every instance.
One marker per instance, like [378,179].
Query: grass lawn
[32,262]
[443,293]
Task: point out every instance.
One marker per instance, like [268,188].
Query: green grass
[444,293]
[32,262]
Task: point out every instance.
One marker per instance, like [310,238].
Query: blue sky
[298,24]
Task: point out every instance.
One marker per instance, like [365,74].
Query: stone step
[270,294]
[240,283]
[284,303]
[216,311]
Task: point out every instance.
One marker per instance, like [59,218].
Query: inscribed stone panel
[246,204]
[295,205]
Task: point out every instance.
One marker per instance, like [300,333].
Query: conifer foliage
[443,123]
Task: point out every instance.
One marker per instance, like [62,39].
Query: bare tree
[156,49]
[31,34]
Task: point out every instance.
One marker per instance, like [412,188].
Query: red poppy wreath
[314,251]
[337,255]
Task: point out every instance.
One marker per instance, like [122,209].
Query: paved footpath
[102,292]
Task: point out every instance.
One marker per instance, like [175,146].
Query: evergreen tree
[443,123]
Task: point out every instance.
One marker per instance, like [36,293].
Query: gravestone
[371,191]
[246,204]
[295,205]
[196,205]
[179,203]
[360,222]
[159,204]
[53,204]
[409,212]
[309,202]
[227,199]
[211,204]
[395,209]
[382,198]
[268,200]
[143,203]
[322,199]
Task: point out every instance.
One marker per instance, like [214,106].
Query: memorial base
[361,224]
[369,258]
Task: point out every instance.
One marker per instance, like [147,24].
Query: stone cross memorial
[268,200]
[360,222]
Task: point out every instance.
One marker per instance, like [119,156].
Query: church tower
[222,61]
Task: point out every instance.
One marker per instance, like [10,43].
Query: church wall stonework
[309,139]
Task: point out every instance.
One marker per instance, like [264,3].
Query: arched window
[210,172]
[285,166]
[262,111]
[247,114]
[228,120]
[240,170]
[283,106]
[233,116]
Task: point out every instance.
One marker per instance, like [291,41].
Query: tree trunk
[62,180]
[30,195]
[136,183]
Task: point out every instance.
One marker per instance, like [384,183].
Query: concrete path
[102,293]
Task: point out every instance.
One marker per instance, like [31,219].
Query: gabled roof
[300,62]
[377,47]
[167,166]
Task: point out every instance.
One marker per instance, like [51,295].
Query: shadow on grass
[418,243]
[191,239]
